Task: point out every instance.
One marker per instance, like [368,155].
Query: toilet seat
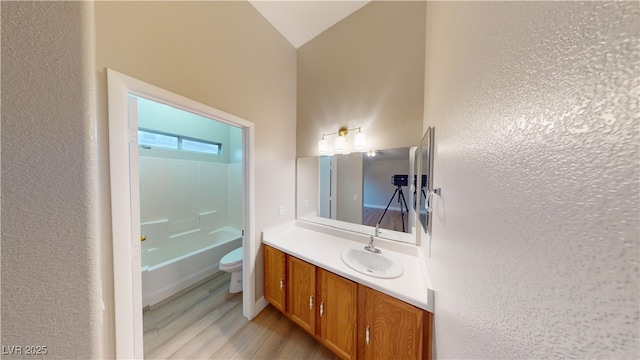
[232,263]
[232,260]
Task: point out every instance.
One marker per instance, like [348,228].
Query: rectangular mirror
[424,162]
[356,191]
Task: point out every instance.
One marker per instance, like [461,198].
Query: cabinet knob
[281,284]
[321,308]
[143,238]
[311,302]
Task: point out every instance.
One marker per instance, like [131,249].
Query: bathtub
[183,260]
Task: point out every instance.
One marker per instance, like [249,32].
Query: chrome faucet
[371,247]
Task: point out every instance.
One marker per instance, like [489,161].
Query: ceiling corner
[302,20]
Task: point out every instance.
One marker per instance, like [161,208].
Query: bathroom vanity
[357,316]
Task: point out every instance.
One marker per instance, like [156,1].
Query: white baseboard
[261,304]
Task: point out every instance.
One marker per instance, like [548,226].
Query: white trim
[261,304]
[125,215]
[121,220]
[250,252]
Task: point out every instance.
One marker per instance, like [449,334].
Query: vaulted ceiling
[302,20]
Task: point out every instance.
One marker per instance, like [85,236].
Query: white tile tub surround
[213,193]
[185,206]
[157,234]
[185,261]
[208,221]
[320,246]
[188,244]
[182,191]
[235,201]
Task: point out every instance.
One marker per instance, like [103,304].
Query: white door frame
[125,204]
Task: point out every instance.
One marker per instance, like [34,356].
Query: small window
[200,146]
[153,139]
[159,140]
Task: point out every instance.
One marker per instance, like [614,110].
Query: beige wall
[535,238]
[377,182]
[50,293]
[367,70]
[307,179]
[536,235]
[222,54]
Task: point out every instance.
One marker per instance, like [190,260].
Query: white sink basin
[368,263]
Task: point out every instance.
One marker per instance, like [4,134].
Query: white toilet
[232,263]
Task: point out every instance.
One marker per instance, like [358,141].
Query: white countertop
[322,248]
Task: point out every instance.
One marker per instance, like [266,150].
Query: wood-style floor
[392,219]
[205,322]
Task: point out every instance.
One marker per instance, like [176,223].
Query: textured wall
[50,292]
[367,70]
[223,54]
[536,236]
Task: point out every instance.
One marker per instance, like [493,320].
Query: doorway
[124,94]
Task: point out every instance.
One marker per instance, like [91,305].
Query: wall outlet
[281,210]
[306,203]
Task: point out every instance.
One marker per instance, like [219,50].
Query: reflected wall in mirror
[359,190]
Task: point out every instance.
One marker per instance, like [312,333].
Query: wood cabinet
[325,305]
[337,328]
[301,282]
[390,328]
[275,272]
[352,320]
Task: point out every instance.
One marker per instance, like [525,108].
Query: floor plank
[392,220]
[205,322]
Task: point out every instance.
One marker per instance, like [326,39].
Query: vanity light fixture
[340,144]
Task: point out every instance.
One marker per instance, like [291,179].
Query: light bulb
[322,146]
[340,144]
[360,141]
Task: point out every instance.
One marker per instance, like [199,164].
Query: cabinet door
[301,282]
[275,289]
[392,329]
[338,313]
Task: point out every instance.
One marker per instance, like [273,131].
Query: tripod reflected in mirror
[399,181]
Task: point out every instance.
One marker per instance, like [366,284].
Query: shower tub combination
[173,263]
